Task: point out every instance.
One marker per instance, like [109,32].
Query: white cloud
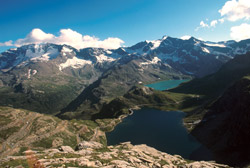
[203,24]
[235,10]
[36,36]
[7,43]
[213,23]
[240,32]
[69,37]
[222,20]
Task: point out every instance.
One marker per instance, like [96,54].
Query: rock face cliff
[227,125]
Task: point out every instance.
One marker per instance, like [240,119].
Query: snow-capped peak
[164,38]
[186,37]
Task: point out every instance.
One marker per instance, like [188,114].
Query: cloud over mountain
[66,36]
[240,32]
[7,43]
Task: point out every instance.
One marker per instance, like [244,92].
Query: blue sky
[131,21]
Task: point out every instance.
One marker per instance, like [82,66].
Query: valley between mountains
[57,102]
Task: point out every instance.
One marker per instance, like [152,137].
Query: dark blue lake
[162,130]
[159,129]
[168,84]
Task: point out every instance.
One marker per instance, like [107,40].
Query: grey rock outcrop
[124,155]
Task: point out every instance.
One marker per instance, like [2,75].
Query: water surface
[159,129]
[165,85]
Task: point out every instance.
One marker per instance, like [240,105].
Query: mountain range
[180,54]
[50,78]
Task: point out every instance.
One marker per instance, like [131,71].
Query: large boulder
[89,144]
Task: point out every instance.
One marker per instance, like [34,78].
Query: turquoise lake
[162,130]
[164,85]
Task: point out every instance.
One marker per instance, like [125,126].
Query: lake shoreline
[190,151]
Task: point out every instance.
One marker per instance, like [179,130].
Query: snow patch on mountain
[205,50]
[34,72]
[31,72]
[66,49]
[28,76]
[74,63]
[164,38]
[40,55]
[155,60]
[215,45]
[103,58]
[109,52]
[44,57]
[156,44]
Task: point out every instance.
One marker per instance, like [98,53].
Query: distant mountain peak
[164,37]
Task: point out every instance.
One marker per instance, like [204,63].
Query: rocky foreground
[32,140]
[94,154]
